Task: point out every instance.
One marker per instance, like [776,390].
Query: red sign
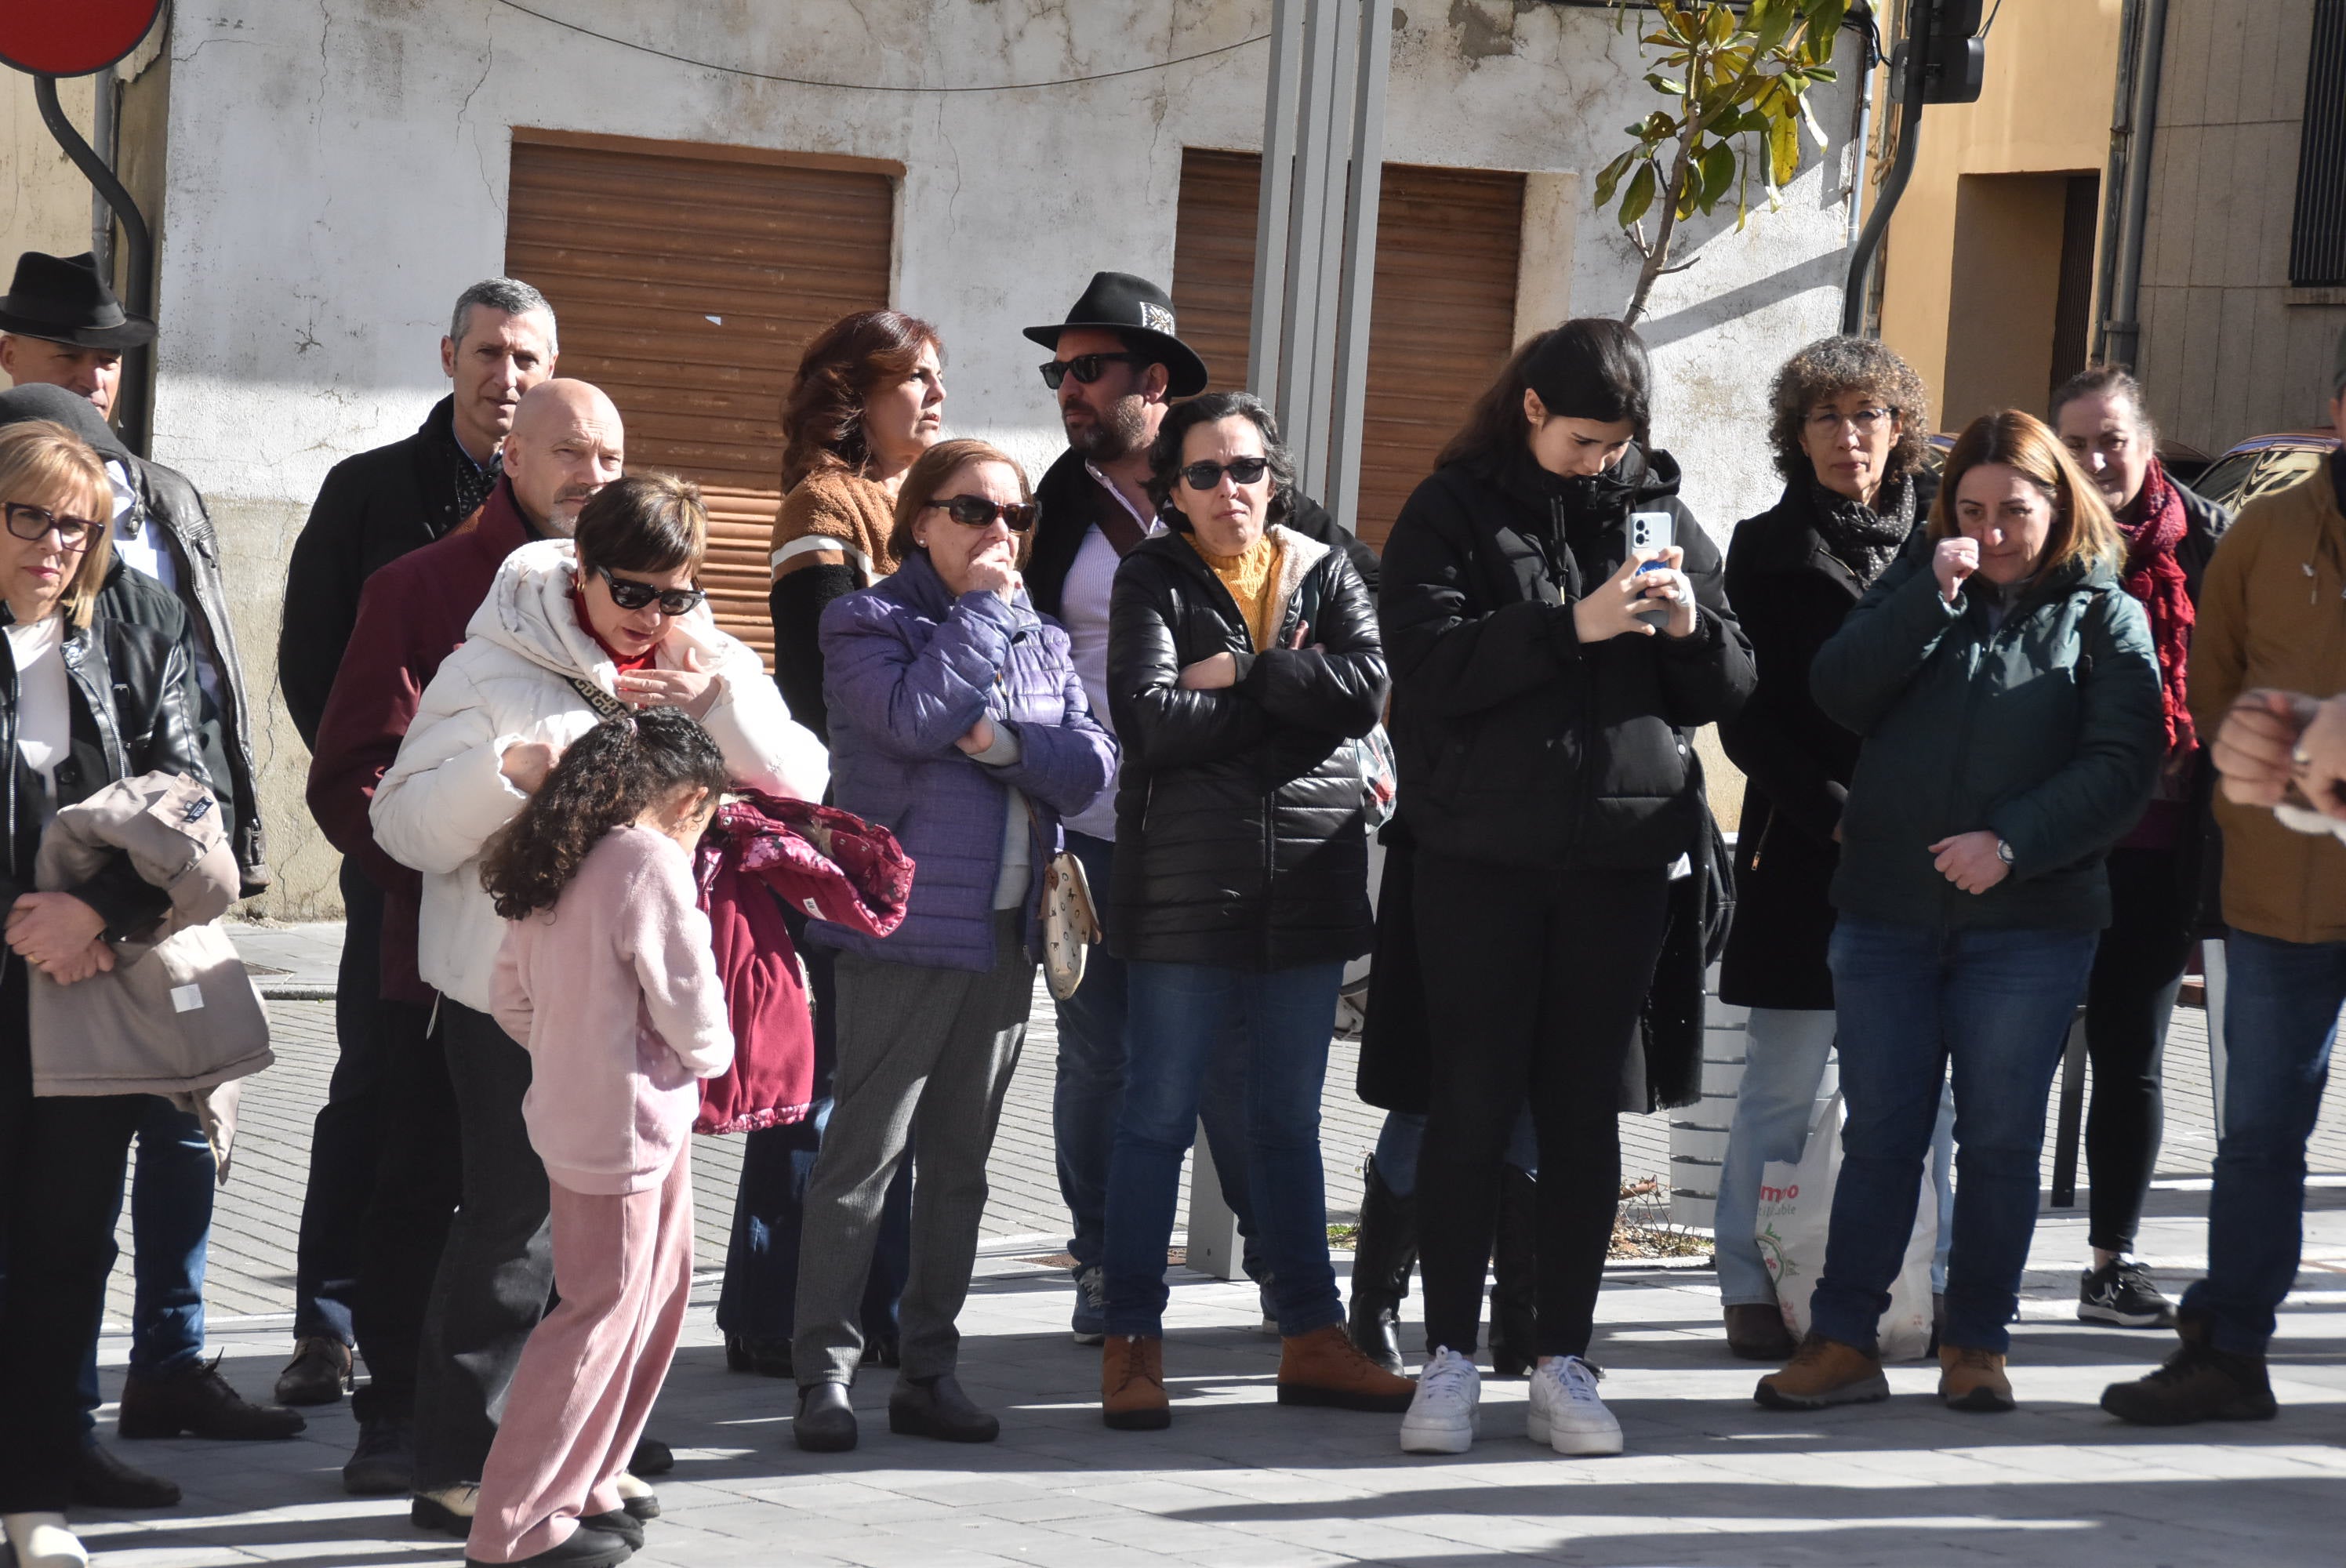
[72,37]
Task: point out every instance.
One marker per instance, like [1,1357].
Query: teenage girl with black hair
[1541,728]
[607,976]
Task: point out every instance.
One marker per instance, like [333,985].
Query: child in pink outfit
[607,977]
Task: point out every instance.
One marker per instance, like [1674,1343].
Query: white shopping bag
[1794,1218]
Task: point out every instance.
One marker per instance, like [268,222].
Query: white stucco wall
[338,173]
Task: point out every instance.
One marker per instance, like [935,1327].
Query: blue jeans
[1915,1001]
[1088,1091]
[1181,1014]
[170,1227]
[1786,1052]
[1404,1135]
[2280,1020]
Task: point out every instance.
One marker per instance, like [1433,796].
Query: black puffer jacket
[1238,832]
[1519,745]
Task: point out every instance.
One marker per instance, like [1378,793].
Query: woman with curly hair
[1847,422]
[606,978]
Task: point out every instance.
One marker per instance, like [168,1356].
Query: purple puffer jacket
[907,668]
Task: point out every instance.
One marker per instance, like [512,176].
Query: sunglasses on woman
[1087,368]
[631,595]
[37,523]
[977,511]
[1242,470]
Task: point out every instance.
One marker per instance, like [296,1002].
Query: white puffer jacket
[445,795]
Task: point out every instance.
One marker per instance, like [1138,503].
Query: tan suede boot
[1824,1372]
[1132,1383]
[1970,1378]
[1325,1367]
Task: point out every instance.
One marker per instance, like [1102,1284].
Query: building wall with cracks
[337,171]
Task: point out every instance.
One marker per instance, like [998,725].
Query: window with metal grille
[2317,249]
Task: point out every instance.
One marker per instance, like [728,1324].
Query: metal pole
[1301,348]
[2114,177]
[1902,169]
[1276,192]
[1348,406]
[138,256]
[103,98]
[1864,137]
[1327,254]
[2122,335]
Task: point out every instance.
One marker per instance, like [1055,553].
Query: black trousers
[345,1144]
[2129,1000]
[62,1164]
[496,1274]
[418,1182]
[1533,987]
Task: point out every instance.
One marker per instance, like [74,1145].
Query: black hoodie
[1519,745]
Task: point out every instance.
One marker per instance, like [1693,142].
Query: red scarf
[2154,576]
[628,664]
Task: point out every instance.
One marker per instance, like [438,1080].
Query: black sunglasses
[630,595]
[1087,368]
[36,522]
[1206,476]
[977,511]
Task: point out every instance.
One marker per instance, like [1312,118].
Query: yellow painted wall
[44,200]
[2051,72]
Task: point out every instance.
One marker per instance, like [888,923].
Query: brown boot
[1824,1372]
[1970,1378]
[1325,1367]
[1756,1332]
[1132,1383]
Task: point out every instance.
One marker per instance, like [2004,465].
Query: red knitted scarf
[2154,576]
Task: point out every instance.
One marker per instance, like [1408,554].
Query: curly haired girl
[606,977]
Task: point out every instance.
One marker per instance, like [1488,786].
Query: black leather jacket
[136,709]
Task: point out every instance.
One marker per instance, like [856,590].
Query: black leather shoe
[585,1547]
[199,1401]
[319,1373]
[936,1408]
[652,1457]
[100,1480]
[826,1420]
[766,1357]
[618,1522]
[383,1464]
[1383,1253]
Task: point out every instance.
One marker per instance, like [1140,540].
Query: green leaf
[1783,150]
[1718,25]
[1610,175]
[1768,21]
[1662,84]
[1821,74]
[1717,170]
[1640,195]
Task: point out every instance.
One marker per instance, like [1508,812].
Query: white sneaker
[43,1541]
[1566,1413]
[1447,1408]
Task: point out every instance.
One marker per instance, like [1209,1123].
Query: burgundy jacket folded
[760,854]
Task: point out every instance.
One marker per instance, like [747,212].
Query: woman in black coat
[1848,419]
[1541,726]
[1243,663]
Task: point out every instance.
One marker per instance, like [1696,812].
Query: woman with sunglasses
[958,723]
[572,631]
[1242,664]
[84,700]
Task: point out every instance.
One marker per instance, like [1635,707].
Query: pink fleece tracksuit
[615,992]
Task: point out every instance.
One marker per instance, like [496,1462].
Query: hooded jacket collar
[528,612]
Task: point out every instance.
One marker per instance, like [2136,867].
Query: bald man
[565,444]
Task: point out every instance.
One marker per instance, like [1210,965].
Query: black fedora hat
[62,300]
[1120,302]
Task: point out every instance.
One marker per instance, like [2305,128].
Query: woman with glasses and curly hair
[2006,689]
[1848,419]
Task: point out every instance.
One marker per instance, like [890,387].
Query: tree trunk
[1657,259]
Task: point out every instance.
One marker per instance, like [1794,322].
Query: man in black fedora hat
[64,327]
[1117,363]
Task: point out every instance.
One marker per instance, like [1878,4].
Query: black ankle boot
[1382,1256]
[1514,1277]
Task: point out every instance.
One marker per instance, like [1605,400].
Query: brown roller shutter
[1442,323]
[687,279]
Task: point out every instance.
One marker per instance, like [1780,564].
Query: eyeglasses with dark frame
[1206,476]
[30,523]
[631,595]
[977,511]
[1865,420]
[1086,368]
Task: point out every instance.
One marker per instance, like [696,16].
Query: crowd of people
[1131,729]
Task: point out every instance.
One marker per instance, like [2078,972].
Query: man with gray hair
[373,508]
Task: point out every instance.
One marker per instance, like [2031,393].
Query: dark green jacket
[2044,729]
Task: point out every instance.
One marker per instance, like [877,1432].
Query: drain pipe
[1912,58]
[138,255]
[2122,324]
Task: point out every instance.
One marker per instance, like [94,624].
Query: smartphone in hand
[1650,531]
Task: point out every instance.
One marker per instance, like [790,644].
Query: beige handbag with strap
[1070,919]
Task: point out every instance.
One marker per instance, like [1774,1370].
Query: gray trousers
[924,1055]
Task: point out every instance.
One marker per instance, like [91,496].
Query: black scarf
[1863,538]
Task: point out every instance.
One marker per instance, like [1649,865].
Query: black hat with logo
[62,300]
[1143,312]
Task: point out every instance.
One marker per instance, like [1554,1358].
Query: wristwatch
[2003,852]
